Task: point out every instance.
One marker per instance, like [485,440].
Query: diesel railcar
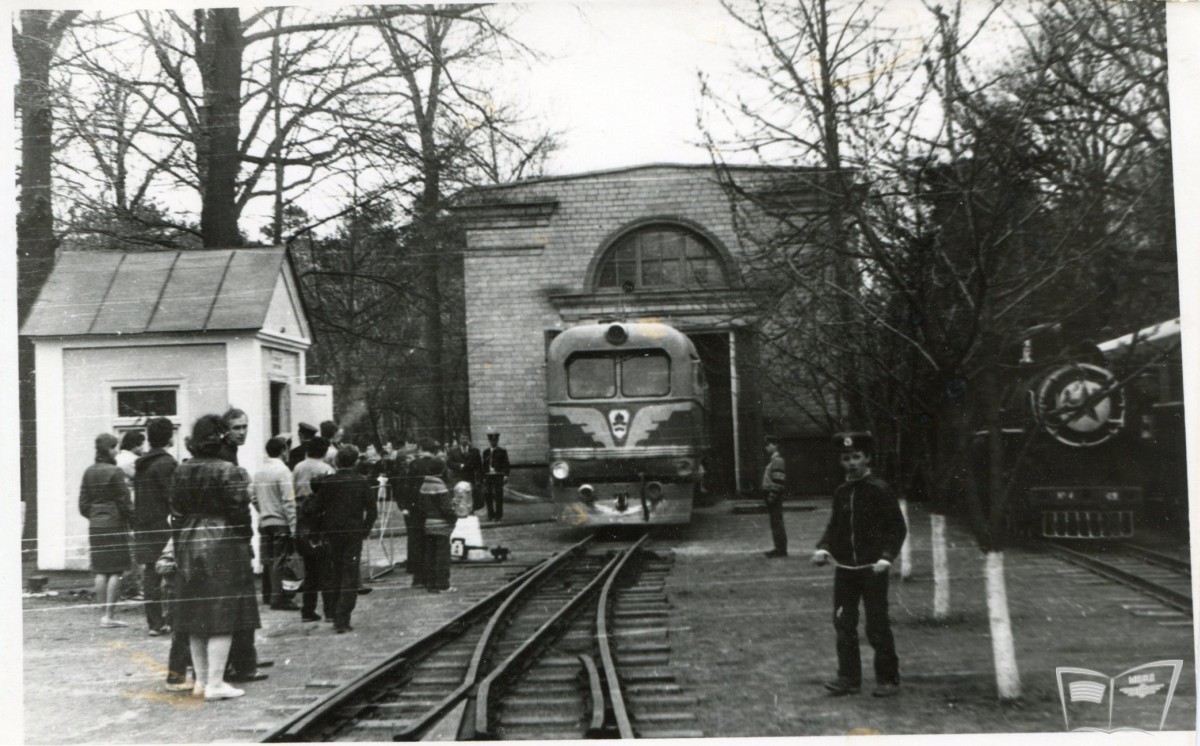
[626,405]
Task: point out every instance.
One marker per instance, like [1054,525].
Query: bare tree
[36,40]
[958,237]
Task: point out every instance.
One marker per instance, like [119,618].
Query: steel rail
[529,581]
[595,727]
[616,697]
[521,658]
[1182,566]
[312,716]
[1173,598]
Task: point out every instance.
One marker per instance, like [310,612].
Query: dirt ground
[751,636]
[756,637]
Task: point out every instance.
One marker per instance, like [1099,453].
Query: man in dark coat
[427,466]
[465,464]
[297,454]
[153,472]
[495,474]
[308,544]
[865,532]
[344,506]
[243,657]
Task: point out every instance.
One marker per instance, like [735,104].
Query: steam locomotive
[626,405]
[1093,436]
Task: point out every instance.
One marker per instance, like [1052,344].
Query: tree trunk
[1004,655]
[941,567]
[35,44]
[217,151]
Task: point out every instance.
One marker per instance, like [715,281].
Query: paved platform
[84,684]
[751,636]
[755,638]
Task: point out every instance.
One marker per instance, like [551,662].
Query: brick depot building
[653,242]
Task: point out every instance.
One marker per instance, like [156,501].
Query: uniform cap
[853,441]
[306,429]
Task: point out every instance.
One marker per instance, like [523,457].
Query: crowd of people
[188,528]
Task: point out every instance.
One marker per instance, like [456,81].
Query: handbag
[291,572]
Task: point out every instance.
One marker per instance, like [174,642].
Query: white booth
[121,337]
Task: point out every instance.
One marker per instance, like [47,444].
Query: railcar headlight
[654,490]
[587,493]
[616,335]
[684,467]
[560,470]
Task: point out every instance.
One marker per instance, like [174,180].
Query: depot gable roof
[136,292]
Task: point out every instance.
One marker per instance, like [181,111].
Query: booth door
[311,403]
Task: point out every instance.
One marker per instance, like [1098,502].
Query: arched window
[661,256]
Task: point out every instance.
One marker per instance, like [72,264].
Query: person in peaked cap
[773,483]
[495,474]
[296,455]
[864,535]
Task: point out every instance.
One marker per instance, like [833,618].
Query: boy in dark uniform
[495,474]
[864,535]
[343,506]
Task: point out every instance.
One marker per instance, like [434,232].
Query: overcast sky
[620,79]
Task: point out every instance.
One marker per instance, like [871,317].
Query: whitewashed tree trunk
[1004,655]
[941,568]
[906,549]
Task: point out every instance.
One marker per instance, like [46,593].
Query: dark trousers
[476,496]
[274,543]
[414,525]
[849,586]
[243,658]
[314,571]
[437,561]
[152,593]
[340,594]
[775,513]
[493,495]
[180,657]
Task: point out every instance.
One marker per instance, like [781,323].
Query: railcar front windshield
[635,373]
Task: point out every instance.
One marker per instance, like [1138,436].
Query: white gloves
[821,557]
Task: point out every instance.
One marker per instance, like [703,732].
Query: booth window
[661,256]
[147,403]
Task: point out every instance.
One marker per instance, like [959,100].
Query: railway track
[1164,577]
[558,652]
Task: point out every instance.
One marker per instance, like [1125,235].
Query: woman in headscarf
[104,500]
[210,501]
